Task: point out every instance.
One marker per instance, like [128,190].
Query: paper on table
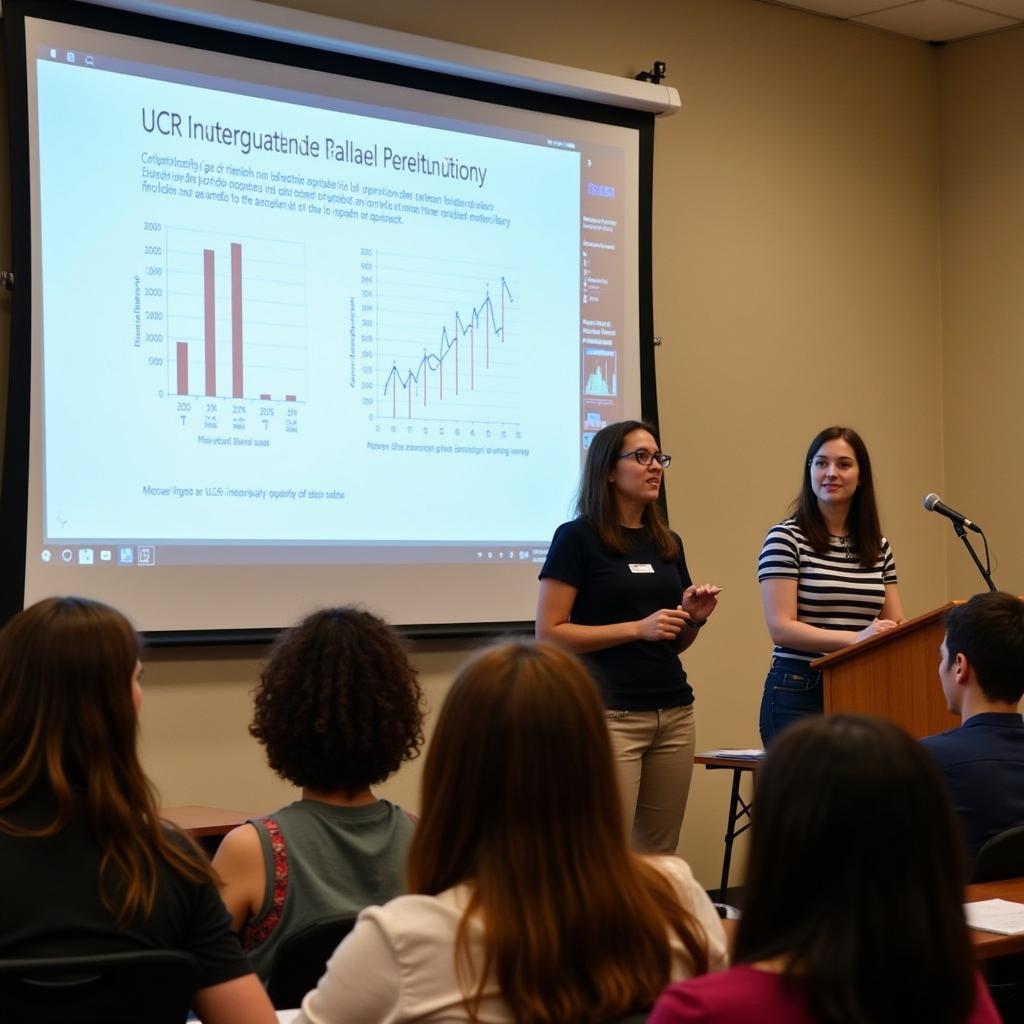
[999,916]
[726,752]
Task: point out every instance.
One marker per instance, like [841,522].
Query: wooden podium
[894,675]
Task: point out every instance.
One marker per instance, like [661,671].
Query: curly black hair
[339,706]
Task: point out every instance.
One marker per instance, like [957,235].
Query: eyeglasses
[645,458]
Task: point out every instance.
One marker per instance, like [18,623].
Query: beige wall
[982,161]
[797,284]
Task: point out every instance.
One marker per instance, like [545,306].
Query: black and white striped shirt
[833,590]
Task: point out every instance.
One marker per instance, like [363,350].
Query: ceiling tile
[935,20]
[1014,8]
[839,8]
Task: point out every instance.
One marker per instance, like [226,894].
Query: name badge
[641,567]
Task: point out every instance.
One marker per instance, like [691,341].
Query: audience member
[87,866]
[981,667]
[526,903]
[852,909]
[338,709]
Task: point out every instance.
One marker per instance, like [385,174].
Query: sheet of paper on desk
[999,916]
[752,755]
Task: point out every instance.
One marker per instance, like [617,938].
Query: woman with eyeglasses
[827,575]
[616,590]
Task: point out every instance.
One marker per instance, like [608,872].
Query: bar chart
[236,316]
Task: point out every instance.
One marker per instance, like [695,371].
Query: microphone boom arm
[961,532]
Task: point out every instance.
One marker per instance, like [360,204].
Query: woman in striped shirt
[827,575]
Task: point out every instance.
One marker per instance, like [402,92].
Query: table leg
[730,833]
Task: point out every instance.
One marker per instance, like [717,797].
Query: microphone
[933,504]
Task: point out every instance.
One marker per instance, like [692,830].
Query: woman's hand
[700,602]
[877,626]
[663,624]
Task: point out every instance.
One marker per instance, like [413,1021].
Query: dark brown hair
[338,706]
[597,500]
[862,523]
[520,802]
[856,874]
[67,722]
[989,632]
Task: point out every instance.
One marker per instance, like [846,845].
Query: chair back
[155,986]
[1001,857]
[301,958]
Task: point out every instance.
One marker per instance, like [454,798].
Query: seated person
[526,903]
[852,904]
[338,709]
[87,867]
[981,668]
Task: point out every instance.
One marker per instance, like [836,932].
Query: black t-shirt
[641,675]
[50,903]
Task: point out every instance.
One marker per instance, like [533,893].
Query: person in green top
[338,709]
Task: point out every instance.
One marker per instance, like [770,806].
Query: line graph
[447,344]
[483,322]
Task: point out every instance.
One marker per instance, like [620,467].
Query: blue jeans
[791,691]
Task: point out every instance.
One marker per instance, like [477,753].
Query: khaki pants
[653,753]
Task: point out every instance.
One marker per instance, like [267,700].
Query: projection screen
[295,329]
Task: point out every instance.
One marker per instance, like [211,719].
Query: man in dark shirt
[982,674]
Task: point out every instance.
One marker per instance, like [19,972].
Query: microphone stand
[961,532]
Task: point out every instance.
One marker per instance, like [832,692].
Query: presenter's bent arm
[699,602]
[893,607]
[684,639]
[780,607]
[554,607]
[242,1000]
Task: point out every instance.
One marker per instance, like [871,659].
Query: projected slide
[302,324]
[299,334]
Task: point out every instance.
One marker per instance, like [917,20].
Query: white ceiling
[930,20]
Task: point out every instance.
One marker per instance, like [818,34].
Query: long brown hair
[863,525]
[520,803]
[68,724]
[597,500]
[856,876]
